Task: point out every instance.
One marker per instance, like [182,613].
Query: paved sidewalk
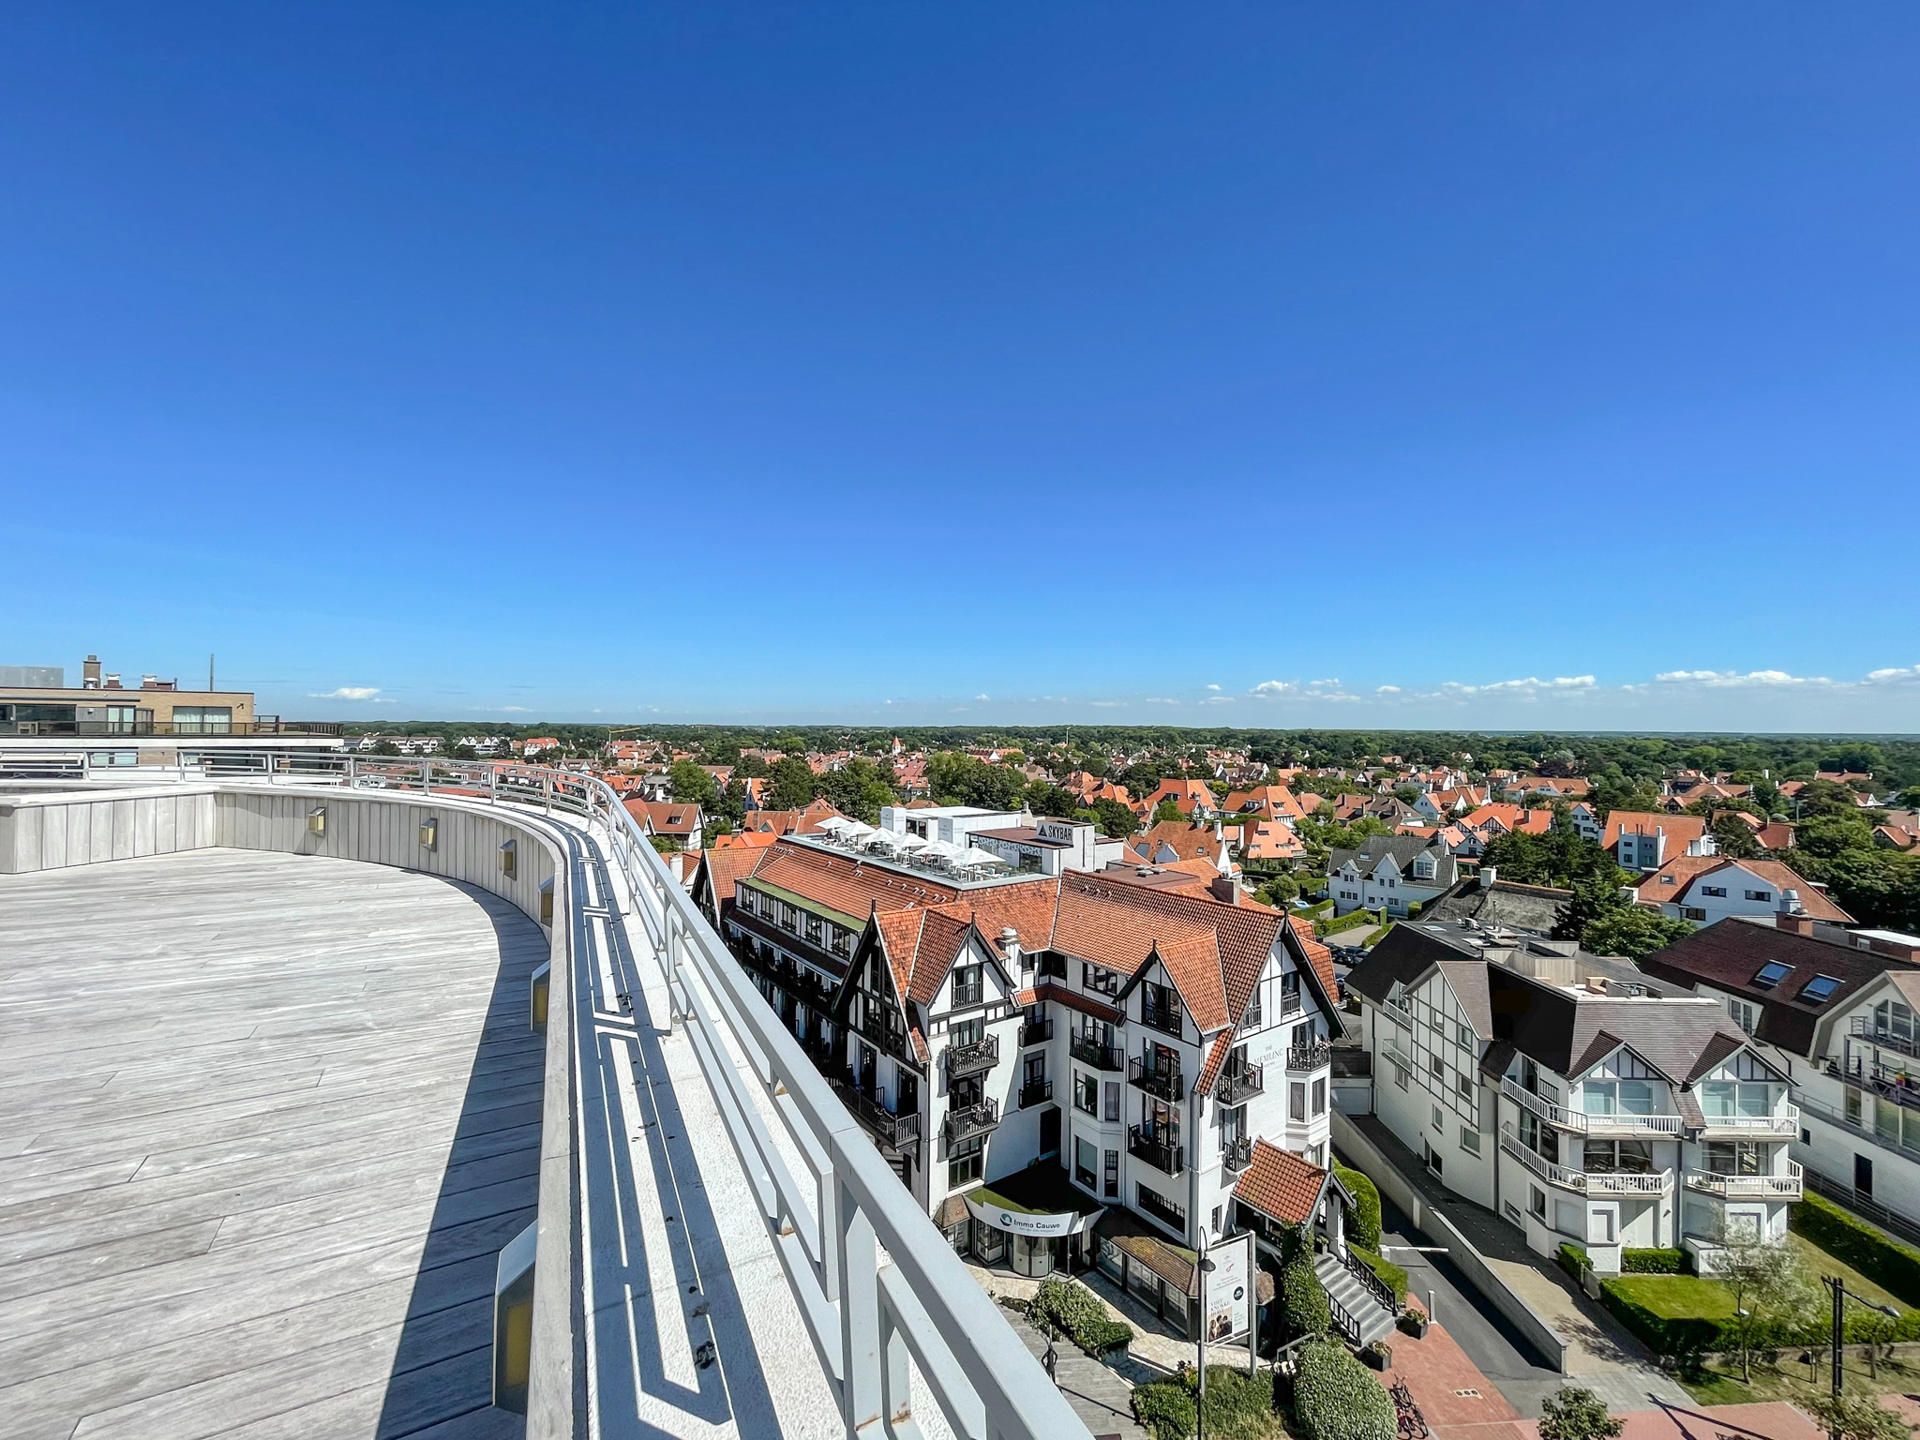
[1099,1396]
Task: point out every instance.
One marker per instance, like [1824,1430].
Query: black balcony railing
[965,995]
[966,1121]
[1036,1032]
[972,1058]
[1036,1092]
[1089,1051]
[1165,1018]
[1159,1149]
[1164,1081]
[1163,1212]
[899,1133]
[1242,1084]
[1237,1154]
[1309,1057]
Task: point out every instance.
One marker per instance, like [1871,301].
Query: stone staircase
[1357,1313]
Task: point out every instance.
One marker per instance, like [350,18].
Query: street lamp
[1840,1297]
[1200,1392]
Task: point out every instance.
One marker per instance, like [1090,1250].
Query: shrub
[1078,1314]
[1573,1259]
[1683,1317]
[1652,1262]
[1352,920]
[1365,1220]
[1391,1275]
[1335,1397]
[1847,1237]
[1165,1408]
[1303,1303]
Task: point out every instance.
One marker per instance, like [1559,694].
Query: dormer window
[1819,990]
[1771,974]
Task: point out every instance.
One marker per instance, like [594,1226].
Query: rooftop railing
[168,729]
[880,1290]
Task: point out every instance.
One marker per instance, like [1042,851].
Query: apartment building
[1642,840]
[1067,1070]
[1709,888]
[1834,1011]
[1574,1096]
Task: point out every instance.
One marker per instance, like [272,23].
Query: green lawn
[1822,1265]
[1720,1384]
[1678,1296]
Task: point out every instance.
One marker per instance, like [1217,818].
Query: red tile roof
[1280,1185]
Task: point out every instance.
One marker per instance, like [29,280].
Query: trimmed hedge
[1237,1403]
[1653,1262]
[1712,1326]
[1573,1259]
[1366,1207]
[1303,1302]
[1847,1237]
[1335,1397]
[1077,1313]
[1391,1275]
[1166,1408]
[1351,920]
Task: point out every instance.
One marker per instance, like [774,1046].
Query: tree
[790,784]
[1576,1413]
[691,785]
[1854,1417]
[1165,811]
[1734,838]
[1765,1281]
[1634,931]
[1115,819]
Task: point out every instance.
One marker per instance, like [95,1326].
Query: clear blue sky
[862,361]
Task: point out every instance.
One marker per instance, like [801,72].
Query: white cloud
[1218,700]
[1213,687]
[1387,690]
[1161,700]
[350,692]
[1896,672]
[1528,685]
[1266,689]
[513,709]
[1723,678]
[1105,704]
[982,696]
[1323,684]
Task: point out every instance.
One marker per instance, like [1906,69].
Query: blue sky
[925,363]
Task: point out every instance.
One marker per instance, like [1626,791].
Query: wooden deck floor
[265,1122]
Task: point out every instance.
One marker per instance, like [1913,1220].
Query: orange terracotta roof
[1215,1062]
[1280,1184]
[845,884]
[1681,830]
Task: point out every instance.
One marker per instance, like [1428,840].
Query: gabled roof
[1681,830]
[1676,879]
[1280,1185]
[665,817]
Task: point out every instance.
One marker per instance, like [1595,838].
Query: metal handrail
[869,1321]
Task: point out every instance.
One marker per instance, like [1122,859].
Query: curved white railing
[831,1225]
[1587,1182]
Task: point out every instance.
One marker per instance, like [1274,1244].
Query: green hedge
[1237,1403]
[1391,1275]
[1573,1259]
[1078,1314]
[1318,908]
[1335,1397]
[1653,1262]
[1682,1317]
[1847,1237]
[1303,1303]
[1365,1220]
[1349,921]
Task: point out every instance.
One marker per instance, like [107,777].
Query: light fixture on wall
[317,820]
[546,902]
[506,858]
[429,832]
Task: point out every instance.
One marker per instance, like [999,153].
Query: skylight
[1771,974]
[1819,990]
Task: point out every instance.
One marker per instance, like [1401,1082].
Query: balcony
[967,996]
[1089,1051]
[1241,1084]
[897,1133]
[1586,1182]
[1036,1032]
[1160,1210]
[1885,1081]
[1236,1155]
[1863,1028]
[1164,1018]
[792,1210]
[965,1121]
[1036,1092]
[1784,1123]
[1164,1081]
[975,1057]
[1157,1149]
[1582,1123]
[166,729]
[1310,1057]
[1747,1187]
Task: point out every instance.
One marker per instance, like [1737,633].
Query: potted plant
[1414,1322]
[1378,1354]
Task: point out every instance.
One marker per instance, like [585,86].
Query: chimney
[90,673]
[1488,874]
[1010,943]
[1226,888]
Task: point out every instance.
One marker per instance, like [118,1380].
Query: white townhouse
[1067,1070]
[1391,873]
[1709,888]
[1573,1096]
[1838,1013]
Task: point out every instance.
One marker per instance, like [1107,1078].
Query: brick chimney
[90,673]
[1226,888]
